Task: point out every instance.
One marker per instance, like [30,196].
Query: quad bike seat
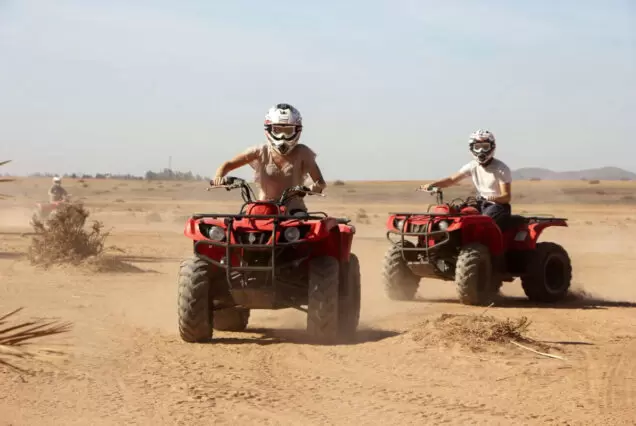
[513,221]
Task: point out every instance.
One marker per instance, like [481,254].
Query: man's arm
[506,194]
[448,181]
[505,187]
[316,175]
[238,161]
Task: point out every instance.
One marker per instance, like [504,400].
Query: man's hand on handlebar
[219,181]
[227,182]
[428,188]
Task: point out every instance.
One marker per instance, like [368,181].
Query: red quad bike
[46,211]
[265,258]
[454,242]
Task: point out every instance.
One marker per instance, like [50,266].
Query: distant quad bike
[265,258]
[46,211]
[454,242]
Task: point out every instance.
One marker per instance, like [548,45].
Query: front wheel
[549,274]
[195,315]
[322,309]
[231,319]
[349,301]
[400,283]
[474,275]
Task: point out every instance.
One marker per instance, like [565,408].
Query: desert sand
[127,365]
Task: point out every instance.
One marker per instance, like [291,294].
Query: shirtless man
[281,162]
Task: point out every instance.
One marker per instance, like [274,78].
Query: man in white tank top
[491,177]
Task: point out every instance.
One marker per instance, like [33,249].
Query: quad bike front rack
[404,232]
[275,247]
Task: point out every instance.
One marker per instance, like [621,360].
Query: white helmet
[482,145]
[283,125]
[57,180]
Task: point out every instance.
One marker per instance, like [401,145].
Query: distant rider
[491,177]
[57,193]
[280,163]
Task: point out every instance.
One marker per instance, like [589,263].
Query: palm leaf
[17,336]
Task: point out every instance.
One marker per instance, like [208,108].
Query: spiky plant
[16,338]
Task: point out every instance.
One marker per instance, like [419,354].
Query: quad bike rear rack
[275,246]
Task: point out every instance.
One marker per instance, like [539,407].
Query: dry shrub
[17,336]
[362,216]
[339,183]
[63,239]
[473,331]
[181,219]
[594,182]
[153,217]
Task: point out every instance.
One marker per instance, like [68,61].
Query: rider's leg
[498,212]
[298,212]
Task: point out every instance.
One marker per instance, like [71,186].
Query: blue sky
[387,89]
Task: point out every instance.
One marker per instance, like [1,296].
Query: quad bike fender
[526,238]
[192,231]
[485,232]
[346,240]
[337,242]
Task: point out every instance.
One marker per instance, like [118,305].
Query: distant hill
[603,173]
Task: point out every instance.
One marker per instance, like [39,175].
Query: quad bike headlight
[291,234]
[216,233]
[398,224]
[443,225]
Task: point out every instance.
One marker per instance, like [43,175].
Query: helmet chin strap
[282,148]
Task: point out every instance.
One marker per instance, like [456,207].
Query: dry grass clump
[63,239]
[16,338]
[362,216]
[153,217]
[474,331]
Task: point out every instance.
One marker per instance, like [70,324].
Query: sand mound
[105,264]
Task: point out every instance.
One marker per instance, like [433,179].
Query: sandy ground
[127,364]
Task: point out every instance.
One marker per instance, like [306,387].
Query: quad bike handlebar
[456,203]
[433,190]
[248,194]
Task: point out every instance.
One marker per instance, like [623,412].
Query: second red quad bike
[263,257]
[454,242]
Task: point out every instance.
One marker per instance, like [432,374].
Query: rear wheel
[231,319]
[549,273]
[322,310]
[474,275]
[349,301]
[400,283]
[195,315]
